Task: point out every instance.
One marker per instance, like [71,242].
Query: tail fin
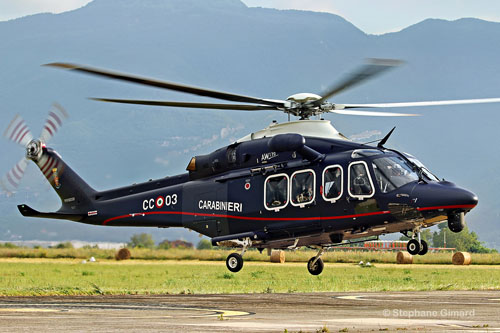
[76,195]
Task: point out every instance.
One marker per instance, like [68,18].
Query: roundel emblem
[159,202]
[247,186]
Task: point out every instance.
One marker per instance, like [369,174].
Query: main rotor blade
[167,85]
[373,113]
[189,105]
[11,180]
[409,104]
[373,68]
[18,131]
[54,121]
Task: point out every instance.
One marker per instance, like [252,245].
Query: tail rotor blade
[54,121]
[11,180]
[18,131]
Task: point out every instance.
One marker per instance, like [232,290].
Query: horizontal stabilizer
[30,212]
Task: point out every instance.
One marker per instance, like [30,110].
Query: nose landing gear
[417,246]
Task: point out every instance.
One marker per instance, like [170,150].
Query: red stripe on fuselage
[44,164]
[445,207]
[47,171]
[248,218]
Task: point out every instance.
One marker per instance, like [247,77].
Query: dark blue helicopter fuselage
[227,194]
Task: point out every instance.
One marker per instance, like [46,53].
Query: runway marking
[41,307]
[30,310]
[357,298]
[223,313]
[368,298]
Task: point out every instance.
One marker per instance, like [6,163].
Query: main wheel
[413,247]
[423,248]
[317,268]
[234,262]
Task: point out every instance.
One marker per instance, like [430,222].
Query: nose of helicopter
[442,196]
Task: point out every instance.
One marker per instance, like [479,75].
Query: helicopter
[290,185]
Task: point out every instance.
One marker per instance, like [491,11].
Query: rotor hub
[34,149]
[303,98]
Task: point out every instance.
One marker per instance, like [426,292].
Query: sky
[371,16]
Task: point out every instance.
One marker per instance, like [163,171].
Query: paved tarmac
[475,311]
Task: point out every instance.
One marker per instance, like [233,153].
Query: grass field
[337,256]
[71,277]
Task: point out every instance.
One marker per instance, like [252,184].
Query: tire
[413,247]
[317,268]
[234,262]
[423,248]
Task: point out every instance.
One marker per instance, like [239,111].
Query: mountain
[224,45]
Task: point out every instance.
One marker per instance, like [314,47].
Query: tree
[164,245]
[181,244]
[462,241]
[141,241]
[65,245]
[204,244]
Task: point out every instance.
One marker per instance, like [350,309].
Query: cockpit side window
[333,183]
[392,172]
[276,192]
[303,185]
[360,181]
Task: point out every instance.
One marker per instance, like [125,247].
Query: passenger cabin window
[393,172]
[303,185]
[360,182]
[333,183]
[276,192]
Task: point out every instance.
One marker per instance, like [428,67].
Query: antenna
[384,140]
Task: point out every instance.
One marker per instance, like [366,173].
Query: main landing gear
[417,246]
[234,261]
[315,264]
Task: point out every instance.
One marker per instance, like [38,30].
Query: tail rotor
[19,132]
[11,180]
[54,121]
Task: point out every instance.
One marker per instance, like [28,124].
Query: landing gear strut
[234,261]
[315,264]
[417,246]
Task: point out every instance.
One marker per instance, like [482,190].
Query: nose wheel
[417,246]
[413,247]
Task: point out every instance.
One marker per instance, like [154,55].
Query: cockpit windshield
[392,172]
[426,172]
